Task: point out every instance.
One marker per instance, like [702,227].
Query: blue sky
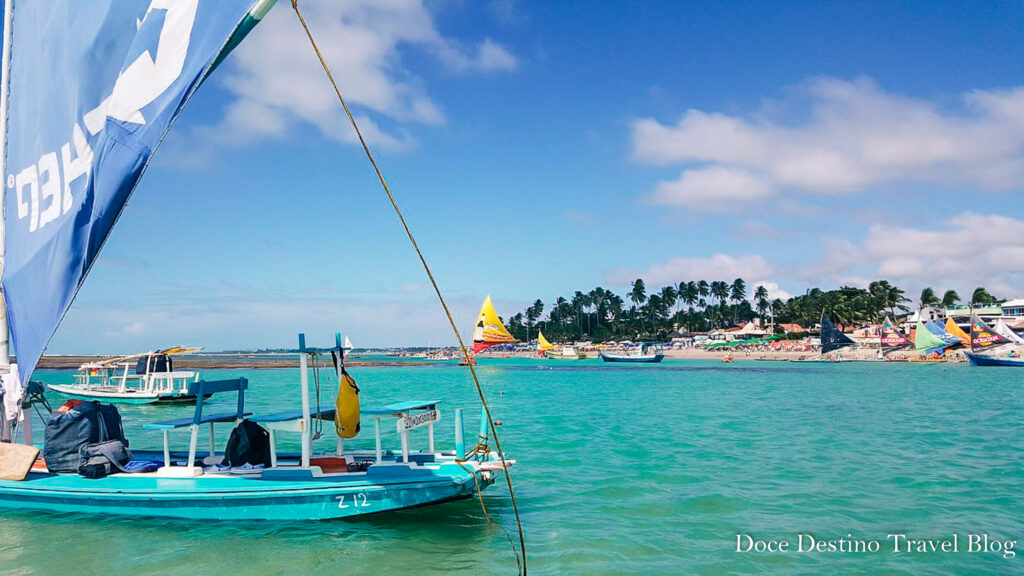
[539,148]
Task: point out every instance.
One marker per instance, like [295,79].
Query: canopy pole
[307,441]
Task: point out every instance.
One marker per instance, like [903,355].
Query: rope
[430,275]
[318,425]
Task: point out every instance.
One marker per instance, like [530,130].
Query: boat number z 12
[358,500]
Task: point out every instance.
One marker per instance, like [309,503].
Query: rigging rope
[430,275]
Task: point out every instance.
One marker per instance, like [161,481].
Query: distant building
[1013,307]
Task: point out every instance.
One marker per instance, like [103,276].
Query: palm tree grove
[699,306]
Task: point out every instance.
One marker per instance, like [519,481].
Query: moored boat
[987,338]
[303,486]
[647,352]
[145,378]
[989,360]
[565,353]
[488,331]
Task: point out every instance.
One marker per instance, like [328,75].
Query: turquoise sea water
[630,470]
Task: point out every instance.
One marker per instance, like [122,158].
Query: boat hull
[226,497]
[981,360]
[135,398]
[651,358]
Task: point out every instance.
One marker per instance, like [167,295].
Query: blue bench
[201,390]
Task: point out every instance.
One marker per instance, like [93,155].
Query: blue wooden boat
[432,479]
[985,360]
[304,486]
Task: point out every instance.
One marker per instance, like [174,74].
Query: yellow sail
[542,343]
[489,330]
[955,330]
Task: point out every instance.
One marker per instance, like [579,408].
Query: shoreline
[222,362]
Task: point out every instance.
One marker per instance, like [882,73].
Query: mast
[5,357]
[971,334]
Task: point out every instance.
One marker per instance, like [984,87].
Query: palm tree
[982,296]
[928,298]
[598,296]
[638,293]
[737,293]
[738,290]
[577,305]
[532,313]
[669,297]
[950,298]
[703,289]
[761,297]
[720,290]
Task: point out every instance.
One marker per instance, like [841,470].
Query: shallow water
[629,470]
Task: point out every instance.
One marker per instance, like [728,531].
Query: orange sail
[489,330]
[955,330]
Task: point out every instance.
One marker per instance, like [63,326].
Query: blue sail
[94,87]
[831,337]
[939,330]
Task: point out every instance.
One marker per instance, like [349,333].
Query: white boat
[648,352]
[565,353]
[144,378]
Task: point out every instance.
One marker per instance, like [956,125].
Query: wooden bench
[200,390]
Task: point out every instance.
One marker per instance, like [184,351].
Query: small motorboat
[650,352]
[565,353]
[145,378]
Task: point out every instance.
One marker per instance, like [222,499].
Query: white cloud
[277,80]
[714,188]
[969,250]
[717,267]
[773,291]
[855,136]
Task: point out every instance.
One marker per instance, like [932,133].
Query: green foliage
[699,306]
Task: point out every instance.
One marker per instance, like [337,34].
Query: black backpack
[249,443]
[67,433]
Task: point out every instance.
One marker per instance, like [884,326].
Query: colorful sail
[831,337]
[939,330]
[891,338]
[952,328]
[543,344]
[489,330]
[1006,332]
[983,336]
[93,88]
[926,341]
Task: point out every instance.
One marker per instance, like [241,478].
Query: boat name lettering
[359,500]
[417,420]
